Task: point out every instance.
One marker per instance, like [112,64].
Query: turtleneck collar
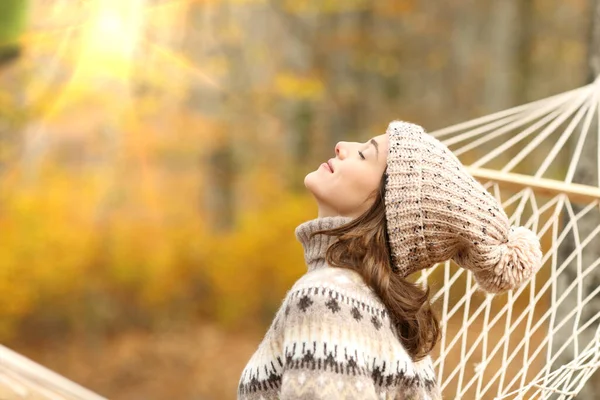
[316,247]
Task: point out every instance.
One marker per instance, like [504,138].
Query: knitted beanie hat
[436,211]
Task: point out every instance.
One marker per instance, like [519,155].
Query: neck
[316,247]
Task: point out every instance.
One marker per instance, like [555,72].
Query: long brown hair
[363,246]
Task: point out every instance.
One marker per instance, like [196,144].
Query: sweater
[332,338]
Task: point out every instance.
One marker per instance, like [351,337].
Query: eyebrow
[374,142]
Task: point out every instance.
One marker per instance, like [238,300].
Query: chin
[314,185]
[311,182]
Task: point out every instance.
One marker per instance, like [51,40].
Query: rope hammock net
[541,341]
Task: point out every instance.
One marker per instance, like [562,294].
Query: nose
[340,150]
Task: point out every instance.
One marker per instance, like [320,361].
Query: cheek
[360,181]
[351,187]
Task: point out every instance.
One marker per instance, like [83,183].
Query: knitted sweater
[332,338]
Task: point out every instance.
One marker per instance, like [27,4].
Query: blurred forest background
[152,155]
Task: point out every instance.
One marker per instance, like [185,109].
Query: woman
[353,326]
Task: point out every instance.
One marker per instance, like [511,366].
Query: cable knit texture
[332,338]
[437,211]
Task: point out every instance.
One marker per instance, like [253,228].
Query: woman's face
[347,187]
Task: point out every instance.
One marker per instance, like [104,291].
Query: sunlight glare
[110,25]
[110,39]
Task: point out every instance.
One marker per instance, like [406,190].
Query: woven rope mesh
[542,341]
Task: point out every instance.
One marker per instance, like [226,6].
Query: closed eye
[361,155]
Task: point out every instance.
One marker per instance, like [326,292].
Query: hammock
[537,342]
[543,340]
[21,378]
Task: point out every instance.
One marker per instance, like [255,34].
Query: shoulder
[339,280]
[337,297]
[341,284]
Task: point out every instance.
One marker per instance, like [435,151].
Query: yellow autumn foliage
[298,87]
[71,239]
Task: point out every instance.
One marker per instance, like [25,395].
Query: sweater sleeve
[325,349]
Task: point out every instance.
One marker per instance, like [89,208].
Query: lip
[330,165]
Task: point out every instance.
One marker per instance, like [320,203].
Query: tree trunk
[509,54]
[218,167]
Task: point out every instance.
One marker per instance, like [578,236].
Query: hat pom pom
[520,258]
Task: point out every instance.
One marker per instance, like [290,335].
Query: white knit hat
[436,211]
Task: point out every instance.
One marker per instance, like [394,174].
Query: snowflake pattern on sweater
[332,338]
